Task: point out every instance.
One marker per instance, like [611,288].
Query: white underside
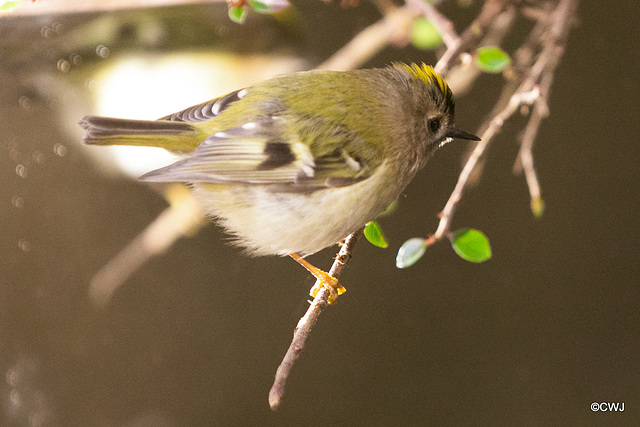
[269,223]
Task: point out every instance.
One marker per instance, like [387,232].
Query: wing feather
[207,110]
[263,151]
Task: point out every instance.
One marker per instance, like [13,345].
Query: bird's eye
[434,124]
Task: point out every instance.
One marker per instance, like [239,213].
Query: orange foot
[324,280]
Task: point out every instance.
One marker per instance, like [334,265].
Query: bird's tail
[172,135]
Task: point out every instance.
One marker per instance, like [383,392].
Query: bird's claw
[331,284]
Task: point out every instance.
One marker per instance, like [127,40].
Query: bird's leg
[324,280]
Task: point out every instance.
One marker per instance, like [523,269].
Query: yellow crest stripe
[427,74]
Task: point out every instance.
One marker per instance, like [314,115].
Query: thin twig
[517,100]
[461,79]
[307,322]
[527,93]
[524,57]
[525,159]
[473,32]
[559,22]
[544,68]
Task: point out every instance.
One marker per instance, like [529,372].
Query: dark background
[532,337]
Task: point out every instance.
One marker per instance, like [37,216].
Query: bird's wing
[265,151]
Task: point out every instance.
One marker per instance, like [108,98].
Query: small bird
[298,162]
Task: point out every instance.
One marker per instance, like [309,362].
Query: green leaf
[410,252]
[425,35]
[492,59]
[259,6]
[374,235]
[237,14]
[471,245]
[8,6]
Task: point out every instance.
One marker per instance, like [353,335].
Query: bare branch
[461,78]
[474,32]
[517,100]
[308,321]
[528,93]
[525,159]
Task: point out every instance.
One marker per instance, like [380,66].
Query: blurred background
[193,336]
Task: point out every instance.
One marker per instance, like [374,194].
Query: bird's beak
[457,133]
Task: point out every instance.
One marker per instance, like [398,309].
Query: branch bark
[308,321]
